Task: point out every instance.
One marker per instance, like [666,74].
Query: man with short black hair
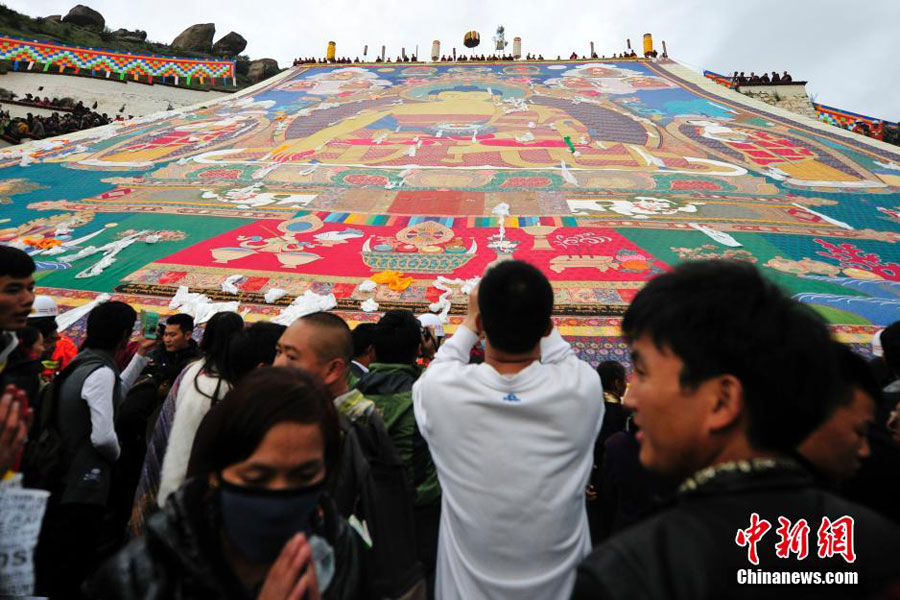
[396,340]
[363,351]
[321,343]
[511,439]
[90,392]
[855,448]
[890,346]
[834,451]
[613,379]
[730,376]
[389,384]
[16,297]
[178,348]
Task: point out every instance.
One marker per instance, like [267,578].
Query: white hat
[433,321]
[876,343]
[43,306]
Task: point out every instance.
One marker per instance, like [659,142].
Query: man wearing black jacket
[178,347]
[16,297]
[730,376]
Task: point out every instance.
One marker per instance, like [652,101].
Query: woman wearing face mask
[252,520]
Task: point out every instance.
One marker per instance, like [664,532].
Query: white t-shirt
[513,455]
[98,391]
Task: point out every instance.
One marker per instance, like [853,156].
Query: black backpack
[372,485]
[44,462]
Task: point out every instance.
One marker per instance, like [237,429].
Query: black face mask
[259,522]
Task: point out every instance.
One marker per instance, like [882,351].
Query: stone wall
[789,97]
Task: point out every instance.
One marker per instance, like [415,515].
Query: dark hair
[337,341]
[28,336]
[108,324]
[363,338]
[46,325]
[854,372]
[233,429]
[515,301]
[184,322]
[398,336]
[214,344]
[15,263]
[249,348]
[610,372]
[723,317]
[220,328]
[890,345]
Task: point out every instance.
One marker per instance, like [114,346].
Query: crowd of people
[64,104]
[879,130]
[754,79]
[467,58]
[342,60]
[76,117]
[392,461]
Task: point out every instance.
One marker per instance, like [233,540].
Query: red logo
[750,536]
[792,539]
[834,537]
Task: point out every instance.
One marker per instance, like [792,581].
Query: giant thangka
[607,173]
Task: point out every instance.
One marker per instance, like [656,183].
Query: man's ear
[727,403]
[479,324]
[336,369]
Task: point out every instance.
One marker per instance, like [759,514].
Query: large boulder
[262,68]
[84,16]
[131,36]
[198,38]
[230,45]
[54,18]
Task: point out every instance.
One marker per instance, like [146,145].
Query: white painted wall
[139,99]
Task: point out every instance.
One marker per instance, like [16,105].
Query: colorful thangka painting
[601,173]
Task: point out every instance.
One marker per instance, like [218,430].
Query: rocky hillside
[83,26]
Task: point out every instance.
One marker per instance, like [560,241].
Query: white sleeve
[554,349]
[132,372]
[457,348]
[98,391]
[419,407]
[188,415]
[452,354]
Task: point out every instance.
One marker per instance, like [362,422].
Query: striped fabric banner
[348,218]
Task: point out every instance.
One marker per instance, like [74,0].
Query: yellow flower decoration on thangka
[42,244]
[395,280]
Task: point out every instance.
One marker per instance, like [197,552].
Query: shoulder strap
[50,408]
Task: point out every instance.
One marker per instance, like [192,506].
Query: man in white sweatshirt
[512,441]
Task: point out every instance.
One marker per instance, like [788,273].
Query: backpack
[372,486]
[44,463]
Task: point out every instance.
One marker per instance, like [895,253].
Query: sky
[846,50]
